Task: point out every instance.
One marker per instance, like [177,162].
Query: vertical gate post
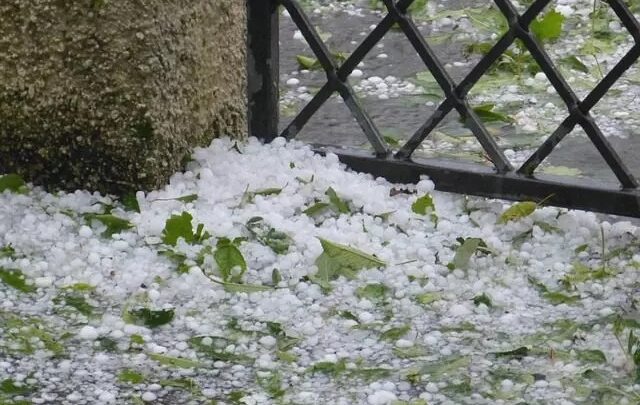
[263,68]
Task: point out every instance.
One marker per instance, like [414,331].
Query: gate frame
[502,181]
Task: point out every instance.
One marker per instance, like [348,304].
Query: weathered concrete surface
[112,95]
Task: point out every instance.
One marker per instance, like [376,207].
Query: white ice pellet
[88,333]
[268,341]
[404,343]
[381,397]
[293,82]
[459,310]
[85,231]
[107,398]
[43,282]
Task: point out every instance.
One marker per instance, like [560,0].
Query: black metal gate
[501,181]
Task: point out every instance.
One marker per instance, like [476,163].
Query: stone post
[113,95]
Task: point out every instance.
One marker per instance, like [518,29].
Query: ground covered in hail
[270,275]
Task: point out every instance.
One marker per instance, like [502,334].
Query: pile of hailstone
[266,274]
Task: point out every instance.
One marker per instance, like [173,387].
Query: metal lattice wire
[456,93]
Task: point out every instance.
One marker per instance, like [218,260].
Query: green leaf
[574,63]
[446,366]
[428,298]
[396,333]
[178,226]
[7,251]
[113,223]
[327,367]
[176,362]
[341,206]
[11,387]
[179,259]
[107,344]
[276,277]
[418,6]
[308,63]
[580,273]
[409,352]
[278,241]
[316,209]
[487,114]
[557,298]
[371,373]
[348,315]
[424,205]
[463,388]
[518,211]
[372,292]
[77,302]
[268,191]
[245,288]
[228,256]
[188,198]
[483,299]
[130,202]
[464,326]
[464,252]
[519,239]
[581,248]
[12,182]
[130,376]
[80,287]
[384,215]
[272,385]
[137,339]
[391,140]
[517,354]
[216,350]
[15,279]
[151,318]
[337,260]
[549,27]
[187,384]
[548,228]
[591,356]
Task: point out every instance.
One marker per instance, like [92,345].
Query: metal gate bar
[502,181]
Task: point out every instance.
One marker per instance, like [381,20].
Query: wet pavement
[343,26]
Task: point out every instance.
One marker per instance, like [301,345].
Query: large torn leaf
[549,27]
[340,260]
[468,247]
[179,226]
[228,257]
[15,279]
[518,211]
[423,206]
